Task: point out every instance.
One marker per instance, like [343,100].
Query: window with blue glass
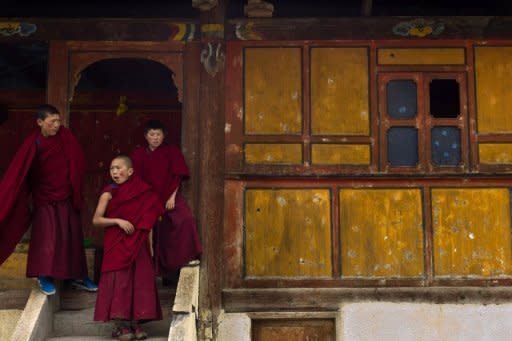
[403,146]
[445,148]
[423,121]
[401,98]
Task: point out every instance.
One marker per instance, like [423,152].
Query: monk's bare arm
[100,220]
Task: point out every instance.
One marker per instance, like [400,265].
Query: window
[423,122]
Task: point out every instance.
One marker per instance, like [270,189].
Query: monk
[127,209]
[163,167]
[46,173]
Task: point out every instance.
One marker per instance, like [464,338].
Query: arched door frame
[68,58]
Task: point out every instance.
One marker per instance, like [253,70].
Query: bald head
[125,159]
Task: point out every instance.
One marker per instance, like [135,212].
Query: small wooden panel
[15,266]
[273,90]
[273,153]
[381,233]
[421,56]
[495,153]
[471,231]
[493,67]
[294,330]
[288,233]
[339,91]
[340,154]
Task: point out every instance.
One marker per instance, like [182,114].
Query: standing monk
[127,209]
[47,173]
[163,167]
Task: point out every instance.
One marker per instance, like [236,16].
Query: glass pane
[403,146]
[444,98]
[401,98]
[445,146]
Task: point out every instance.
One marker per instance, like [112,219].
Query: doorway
[111,102]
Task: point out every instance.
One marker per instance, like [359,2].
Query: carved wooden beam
[204,5]
[258,9]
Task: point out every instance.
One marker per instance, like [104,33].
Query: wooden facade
[327,157]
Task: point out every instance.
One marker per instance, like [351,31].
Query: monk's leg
[178,239]
[56,245]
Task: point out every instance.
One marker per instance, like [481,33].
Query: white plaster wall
[234,327]
[421,321]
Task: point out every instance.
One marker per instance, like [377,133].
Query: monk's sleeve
[153,209]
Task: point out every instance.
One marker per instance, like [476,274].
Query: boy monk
[163,167]
[47,172]
[127,209]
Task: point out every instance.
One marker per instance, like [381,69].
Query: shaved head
[127,161]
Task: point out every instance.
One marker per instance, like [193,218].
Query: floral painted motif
[21,28]
[418,28]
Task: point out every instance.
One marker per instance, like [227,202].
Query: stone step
[80,322]
[8,320]
[14,298]
[95,338]
[73,299]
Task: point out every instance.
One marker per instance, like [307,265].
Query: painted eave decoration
[419,28]
[245,31]
[184,32]
[22,29]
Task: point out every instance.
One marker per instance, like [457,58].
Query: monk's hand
[169,205]
[126,226]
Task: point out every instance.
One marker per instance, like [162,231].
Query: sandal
[140,334]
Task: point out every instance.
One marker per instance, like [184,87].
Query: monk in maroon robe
[163,167]
[47,171]
[127,209]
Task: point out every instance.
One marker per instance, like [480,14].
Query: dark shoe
[85,284]
[139,333]
[46,285]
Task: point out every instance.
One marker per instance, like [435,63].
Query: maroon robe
[176,237]
[51,169]
[127,288]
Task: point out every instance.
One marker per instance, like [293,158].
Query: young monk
[127,209]
[163,167]
[46,172]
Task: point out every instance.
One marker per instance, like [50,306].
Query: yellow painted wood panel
[381,232]
[471,231]
[340,154]
[288,233]
[15,266]
[339,91]
[273,153]
[273,90]
[421,56]
[495,153]
[493,67]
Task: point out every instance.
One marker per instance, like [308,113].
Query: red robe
[176,237]
[127,288]
[16,186]
[136,202]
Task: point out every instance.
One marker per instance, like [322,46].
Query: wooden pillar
[57,85]
[211,163]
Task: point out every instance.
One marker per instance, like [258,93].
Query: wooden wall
[312,196]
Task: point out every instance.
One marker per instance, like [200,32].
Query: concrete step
[8,320]
[80,322]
